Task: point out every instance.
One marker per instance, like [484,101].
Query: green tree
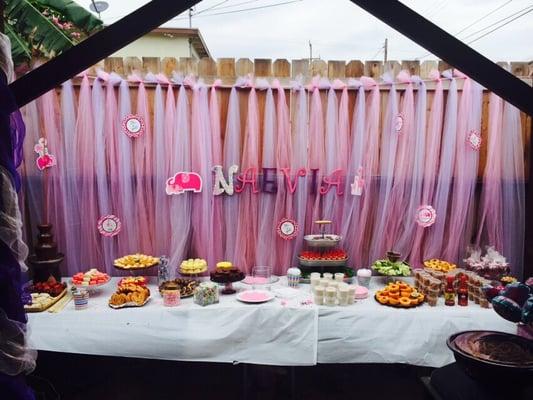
[45,28]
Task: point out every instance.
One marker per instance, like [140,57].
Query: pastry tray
[399,306]
[129,304]
[134,268]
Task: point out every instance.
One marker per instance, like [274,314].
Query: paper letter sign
[221,185]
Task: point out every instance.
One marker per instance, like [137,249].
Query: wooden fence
[229,68]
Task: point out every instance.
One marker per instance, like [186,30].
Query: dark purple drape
[12,132]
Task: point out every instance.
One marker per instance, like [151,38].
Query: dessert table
[230,331]
[368,332]
[280,332]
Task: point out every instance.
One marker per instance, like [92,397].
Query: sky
[340,30]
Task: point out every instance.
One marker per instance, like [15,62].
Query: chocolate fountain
[46,260]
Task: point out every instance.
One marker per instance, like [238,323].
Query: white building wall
[157,46]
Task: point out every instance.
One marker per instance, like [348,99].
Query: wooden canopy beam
[95,48]
[453,51]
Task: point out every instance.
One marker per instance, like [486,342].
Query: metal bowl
[480,367]
[319,240]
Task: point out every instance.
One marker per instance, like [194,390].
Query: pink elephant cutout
[184,182]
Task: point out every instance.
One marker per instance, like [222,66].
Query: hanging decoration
[474,139]
[184,182]
[109,225]
[398,123]
[358,183]
[133,125]
[425,216]
[287,229]
[45,160]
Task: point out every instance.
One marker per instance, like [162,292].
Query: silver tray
[323,263]
[316,240]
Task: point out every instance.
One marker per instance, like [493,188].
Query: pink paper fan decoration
[133,125]
[474,139]
[287,229]
[426,216]
[109,225]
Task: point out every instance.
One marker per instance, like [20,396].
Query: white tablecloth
[229,331]
[271,333]
[368,332]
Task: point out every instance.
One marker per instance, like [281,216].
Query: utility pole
[190,27]
[386,49]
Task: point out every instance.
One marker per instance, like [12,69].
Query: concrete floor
[76,377]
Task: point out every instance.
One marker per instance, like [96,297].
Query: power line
[483,17]
[210,8]
[497,22]
[238,4]
[501,26]
[529,8]
[241,10]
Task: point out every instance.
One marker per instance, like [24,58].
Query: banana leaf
[29,29]
[74,13]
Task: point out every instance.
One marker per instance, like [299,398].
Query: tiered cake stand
[321,243]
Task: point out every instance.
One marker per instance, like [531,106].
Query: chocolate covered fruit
[51,287]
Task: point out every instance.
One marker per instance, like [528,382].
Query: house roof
[193,34]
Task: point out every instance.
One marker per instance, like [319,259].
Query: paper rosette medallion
[474,139]
[287,229]
[109,225]
[398,123]
[133,125]
[425,216]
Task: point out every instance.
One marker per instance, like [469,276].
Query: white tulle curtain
[400,147]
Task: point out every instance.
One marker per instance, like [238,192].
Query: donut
[394,287]
[405,302]
[394,301]
[405,293]
[394,295]
[382,299]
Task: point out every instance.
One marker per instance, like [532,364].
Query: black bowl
[493,370]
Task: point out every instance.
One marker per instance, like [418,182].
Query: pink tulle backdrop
[301,153]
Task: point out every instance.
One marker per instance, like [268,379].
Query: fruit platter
[400,295]
[90,279]
[392,266]
[42,295]
[129,295]
[193,266]
[333,257]
[439,265]
[135,262]
[185,286]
